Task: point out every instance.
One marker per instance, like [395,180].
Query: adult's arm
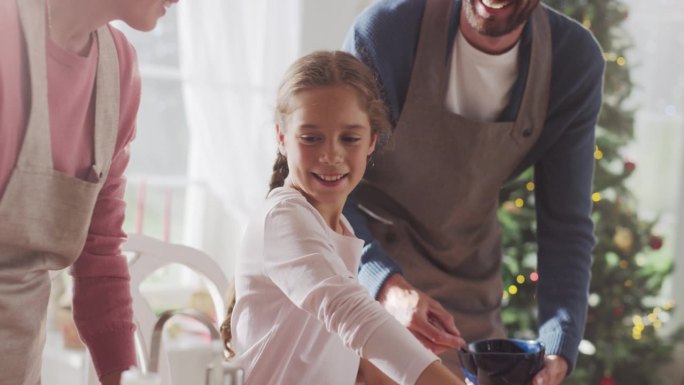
[563,177]
[424,317]
[102,301]
[376,265]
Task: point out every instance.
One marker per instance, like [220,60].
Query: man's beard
[498,27]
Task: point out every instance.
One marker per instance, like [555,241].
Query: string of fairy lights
[655,318]
[610,57]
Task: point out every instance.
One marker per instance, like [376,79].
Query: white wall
[326,22]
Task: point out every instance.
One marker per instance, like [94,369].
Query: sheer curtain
[232,56]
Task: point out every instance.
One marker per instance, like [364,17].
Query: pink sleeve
[102,300]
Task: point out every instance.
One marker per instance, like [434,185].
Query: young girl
[300,316]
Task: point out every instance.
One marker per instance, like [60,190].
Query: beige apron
[437,184]
[45,214]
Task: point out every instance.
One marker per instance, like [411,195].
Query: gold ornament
[623,239]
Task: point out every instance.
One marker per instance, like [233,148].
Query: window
[658,180]
[157,171]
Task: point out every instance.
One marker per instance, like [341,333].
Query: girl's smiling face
[327,139]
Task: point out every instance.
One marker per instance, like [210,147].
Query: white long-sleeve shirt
[301,316]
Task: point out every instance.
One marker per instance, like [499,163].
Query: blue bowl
[502,361]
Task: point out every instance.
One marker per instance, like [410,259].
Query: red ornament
[655,242]
[630,166]
[618,311]
[607,381]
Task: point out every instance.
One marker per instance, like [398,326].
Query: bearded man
[478,91]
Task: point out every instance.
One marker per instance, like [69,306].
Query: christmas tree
[622,344]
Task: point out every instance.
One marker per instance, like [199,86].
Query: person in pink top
[69,94]
[300,315]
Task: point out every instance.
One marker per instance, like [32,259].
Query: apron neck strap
[107,99]
[429,72]
[532,112]
[36,149]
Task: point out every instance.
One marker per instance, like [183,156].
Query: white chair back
[149,255]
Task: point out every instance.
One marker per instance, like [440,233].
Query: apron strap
[532,112]
[107,101]
[429,73]
[36,149]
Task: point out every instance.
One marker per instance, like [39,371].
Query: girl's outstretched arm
[434,374]
[371,375]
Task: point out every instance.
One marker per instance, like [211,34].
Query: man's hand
[111,379]
[554,372]
[429,322]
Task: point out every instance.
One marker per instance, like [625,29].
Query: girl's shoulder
[288,197]
[287,207]
[288,222]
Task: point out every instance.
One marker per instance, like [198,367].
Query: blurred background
[205,145]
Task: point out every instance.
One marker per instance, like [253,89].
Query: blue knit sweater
[385,37]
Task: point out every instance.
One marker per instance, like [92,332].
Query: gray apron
[45,214]
[432,195]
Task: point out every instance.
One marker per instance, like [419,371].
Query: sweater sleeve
[376,266]
[563,177]
[102,301]
[302,263]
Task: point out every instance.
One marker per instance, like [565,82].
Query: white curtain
[232,56]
